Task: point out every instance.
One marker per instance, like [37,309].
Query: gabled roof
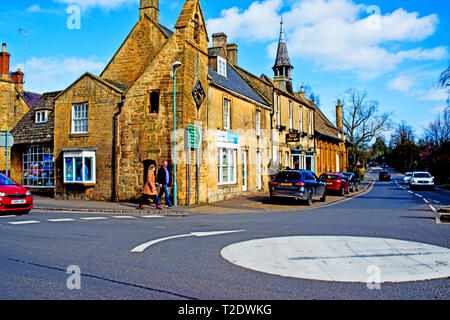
[235,83]
[119,88]
[28,132]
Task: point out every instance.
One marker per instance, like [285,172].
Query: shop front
[303,160]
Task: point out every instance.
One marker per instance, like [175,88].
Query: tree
[378,149]
[438,131]
[444,82]
[315,98]
[362,121]
[405,155]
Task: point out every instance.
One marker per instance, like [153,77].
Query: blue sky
[395,50]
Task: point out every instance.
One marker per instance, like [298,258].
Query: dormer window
[222,66]
[41,117]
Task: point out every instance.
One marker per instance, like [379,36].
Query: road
[387,232]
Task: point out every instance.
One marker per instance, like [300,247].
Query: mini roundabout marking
[341,258]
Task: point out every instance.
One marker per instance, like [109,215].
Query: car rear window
[329,177]
[422,175]
[288,176]
[5,181]
[408,175]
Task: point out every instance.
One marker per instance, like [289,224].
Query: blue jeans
[163,189]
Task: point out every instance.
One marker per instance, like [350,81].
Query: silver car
[421,179]
[407,177]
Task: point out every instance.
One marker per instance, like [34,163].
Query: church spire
[283,67]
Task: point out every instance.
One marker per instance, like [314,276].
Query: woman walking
[150,190]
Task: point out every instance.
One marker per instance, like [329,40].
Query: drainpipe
[114,151]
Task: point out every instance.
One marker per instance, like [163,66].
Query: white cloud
[435,95]
[35,8]
[56,73]
[335,34]
[103,4]
[438,110]
[402,84]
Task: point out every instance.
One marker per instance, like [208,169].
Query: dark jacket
[161,177]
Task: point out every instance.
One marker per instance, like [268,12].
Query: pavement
[246,204]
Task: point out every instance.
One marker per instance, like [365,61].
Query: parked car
[353,180]
[336,182]
[14,197]
[384,175]
[421,179]
[407,177]
[298,184]
[385,166]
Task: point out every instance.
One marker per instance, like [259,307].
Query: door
[295,162]
[258,171]
[244,171]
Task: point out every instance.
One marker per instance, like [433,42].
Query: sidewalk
[246,204]
[47,203]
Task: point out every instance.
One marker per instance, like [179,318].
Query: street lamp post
[176,65]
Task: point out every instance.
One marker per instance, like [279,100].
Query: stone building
[238,128]
[32,160]
[14,101]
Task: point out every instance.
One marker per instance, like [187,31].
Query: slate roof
[324,126]
[30,98]
[282,59]
[28,132]
[166,30]
[235,83]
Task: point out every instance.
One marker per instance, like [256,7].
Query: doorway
[244,170]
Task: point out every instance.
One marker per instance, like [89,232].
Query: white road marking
[61,220]
[426,201]
[410,192]
[152,217]
[141,248]
[124,217]
[432,208]
[94,218]
[436,202]
[342,259]
[24,222]
[418,195]
[8,216]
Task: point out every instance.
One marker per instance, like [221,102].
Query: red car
[336,182]
[14,197]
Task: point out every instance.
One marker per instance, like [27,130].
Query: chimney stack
[4,62]
[149,8]
[232,53]
[339,116]
[219,40]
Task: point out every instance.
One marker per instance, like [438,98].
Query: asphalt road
[36,251]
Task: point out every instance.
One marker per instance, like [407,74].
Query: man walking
[163,179]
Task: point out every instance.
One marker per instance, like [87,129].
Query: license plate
[328,183]
[286,184]
[18,201]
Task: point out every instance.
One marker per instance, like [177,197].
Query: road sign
[358,164]
[6,139]
[195,137]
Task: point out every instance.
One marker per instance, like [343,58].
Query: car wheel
[309,201]
[324,197]
[348,191]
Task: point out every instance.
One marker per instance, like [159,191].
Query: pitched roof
[234,82]
[28,132]
[324,126]
[30,98]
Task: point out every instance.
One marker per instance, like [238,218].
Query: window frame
[291,123]
[222,66]
[258,123]
[310,129]
[38,115]
[74,113]
[301,119]
[76,155]
[226,115]
[231,166]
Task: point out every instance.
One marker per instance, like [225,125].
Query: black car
[299,185]
[384,175]
[353,180]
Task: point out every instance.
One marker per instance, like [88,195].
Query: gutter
[114,151]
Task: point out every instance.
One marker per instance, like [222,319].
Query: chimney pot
[232,53]
[339,116]
[219,40]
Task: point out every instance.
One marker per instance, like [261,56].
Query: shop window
[38,167]
[79,167]
[154,102]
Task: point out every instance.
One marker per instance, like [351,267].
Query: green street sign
[195,137]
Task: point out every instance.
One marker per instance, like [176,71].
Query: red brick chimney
[17,77]
[4,61]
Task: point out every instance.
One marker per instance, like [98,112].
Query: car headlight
[28,193]
[2,194]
